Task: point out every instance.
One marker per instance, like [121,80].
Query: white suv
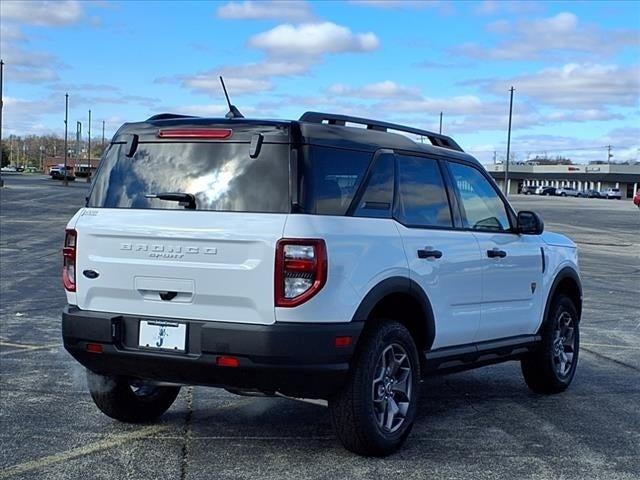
[309,259]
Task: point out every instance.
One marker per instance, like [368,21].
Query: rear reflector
[94,348]
[342,341]
[227,362]
[216,133]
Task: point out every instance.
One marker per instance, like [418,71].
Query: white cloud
[209,110]
[576,86]
[235,85]
[241,79]
[380,90]
[532,39]
[312,40]
[29,66]
[396,3]
[42,13]
[265,9]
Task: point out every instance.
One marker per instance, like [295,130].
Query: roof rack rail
[168,116]
[436,139]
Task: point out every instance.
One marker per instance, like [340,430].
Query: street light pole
[89,149]
[506,165]
[103,135]
[66,148]
[440,123]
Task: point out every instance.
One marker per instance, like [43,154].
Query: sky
[575,67]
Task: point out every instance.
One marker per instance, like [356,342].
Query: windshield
[221,177]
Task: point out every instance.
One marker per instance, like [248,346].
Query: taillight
[301,270]
[69,260]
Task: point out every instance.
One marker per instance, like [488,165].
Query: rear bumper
[297,359]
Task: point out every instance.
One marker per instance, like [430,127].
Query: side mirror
[530,223]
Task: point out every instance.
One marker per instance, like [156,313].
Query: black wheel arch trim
[564,273]
[402,285]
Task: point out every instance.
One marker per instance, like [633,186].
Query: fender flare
[405,286]
[564,273]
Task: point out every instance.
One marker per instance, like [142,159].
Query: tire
[128,401]
[371,415]
[563,194]
[551,368]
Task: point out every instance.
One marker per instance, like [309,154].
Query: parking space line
[608,345]
[80,452]
[22,347]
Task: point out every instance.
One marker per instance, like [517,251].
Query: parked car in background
[567,192]
[529,190]
[636,199]
[8,169]
[548,191]
[59,173]
[613,193]
[594,194]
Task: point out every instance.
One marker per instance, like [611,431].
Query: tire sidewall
[560,305]
[389,332]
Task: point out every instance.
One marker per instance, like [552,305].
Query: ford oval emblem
[91,274]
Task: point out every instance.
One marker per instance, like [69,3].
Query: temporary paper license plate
[163,335]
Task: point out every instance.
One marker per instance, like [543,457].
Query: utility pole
[78,141]
[103,135]
[89,149]
[66,148]
[495,154]
[440,123]
[506,165]
[609,154]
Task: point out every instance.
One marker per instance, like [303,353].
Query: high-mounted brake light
[300,271]
[215,133]
[69,260]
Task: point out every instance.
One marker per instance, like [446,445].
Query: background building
[581,177]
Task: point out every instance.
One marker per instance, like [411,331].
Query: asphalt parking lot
[482,424]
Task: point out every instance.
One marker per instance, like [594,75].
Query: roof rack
[436,139]
[168,116]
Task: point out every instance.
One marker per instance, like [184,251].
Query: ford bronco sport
[312,259]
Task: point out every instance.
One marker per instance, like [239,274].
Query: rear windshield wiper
[187,200]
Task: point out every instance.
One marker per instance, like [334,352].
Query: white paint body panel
[220,265]
[511,286]
[361,253]
[222,269]
[453,283]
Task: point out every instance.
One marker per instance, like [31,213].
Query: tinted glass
[221,176]
[422,199]
[330,178]
[481,204]
[378,196]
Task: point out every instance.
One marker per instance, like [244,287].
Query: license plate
[163,335]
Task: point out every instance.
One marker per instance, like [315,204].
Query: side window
[482,207]
[378,195]
[422,199]
[330,178]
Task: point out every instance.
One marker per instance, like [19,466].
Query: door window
[482,207]
[422,199]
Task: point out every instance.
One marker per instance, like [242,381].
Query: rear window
[221,177]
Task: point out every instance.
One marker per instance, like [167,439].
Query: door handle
[496,253]
[428,253]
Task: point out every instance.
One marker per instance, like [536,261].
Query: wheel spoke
[402,384]
[392,410]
